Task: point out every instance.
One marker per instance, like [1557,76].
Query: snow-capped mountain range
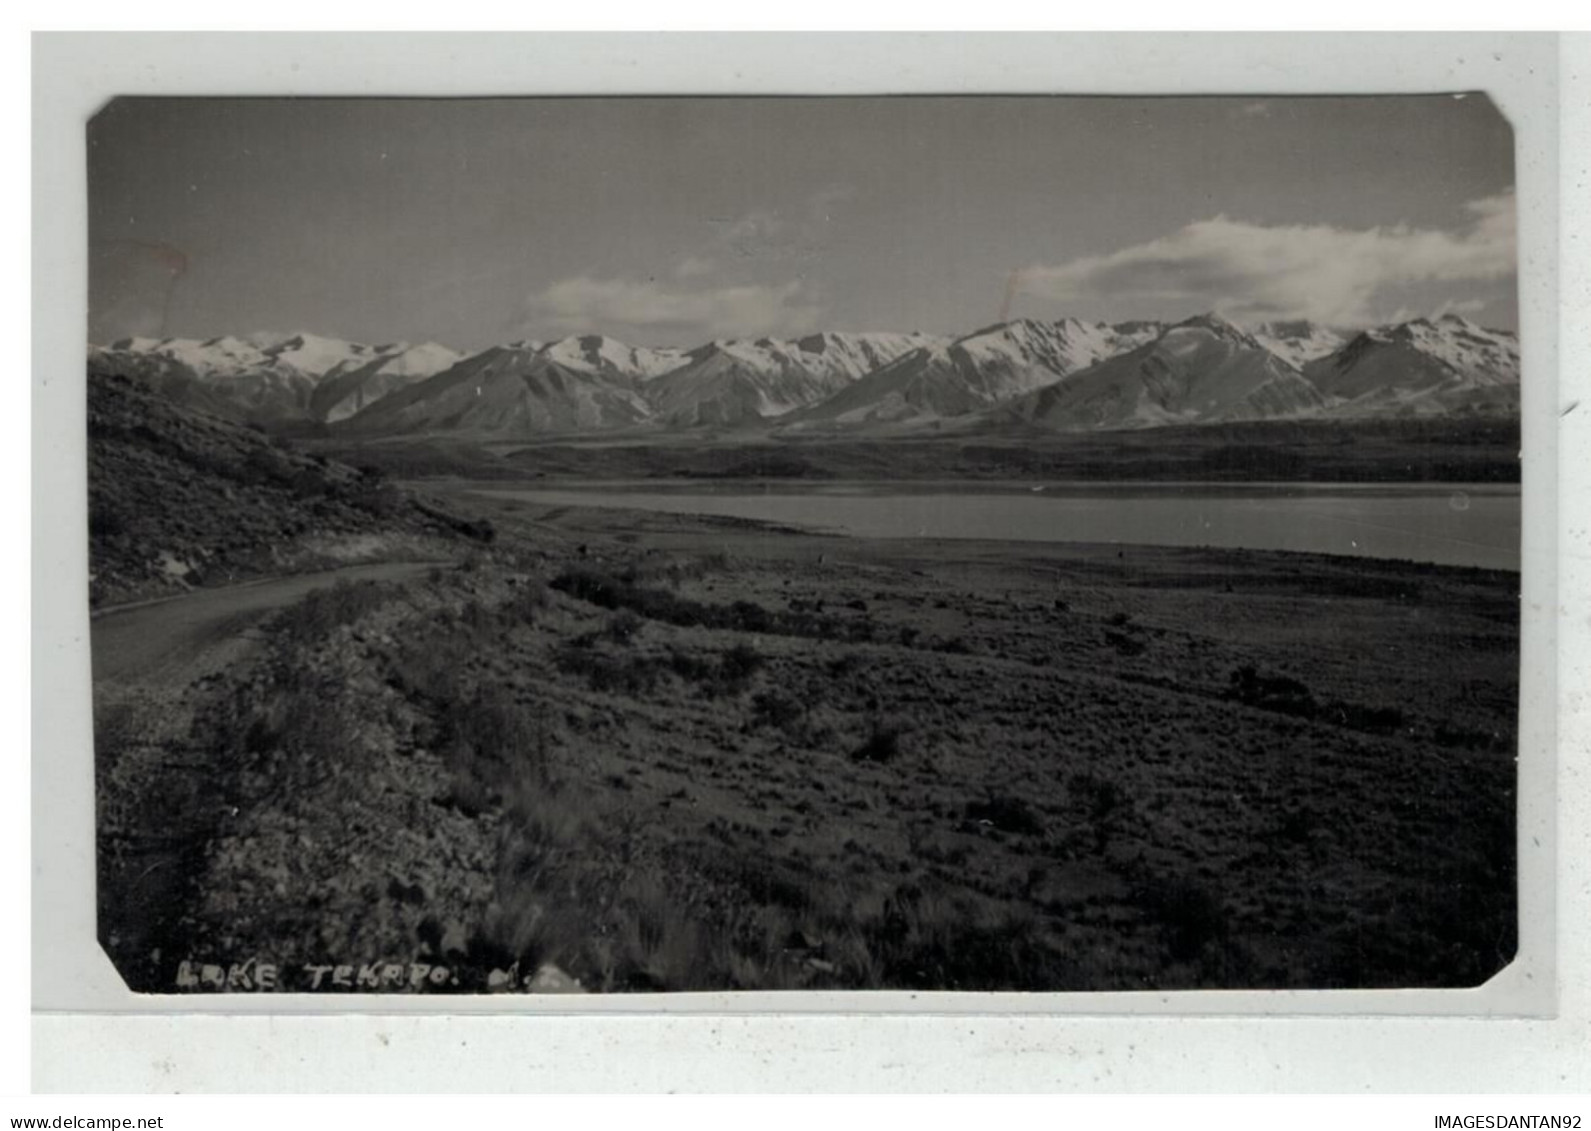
[1028,373]
[1203,370]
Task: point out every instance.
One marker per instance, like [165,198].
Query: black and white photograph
[642,545]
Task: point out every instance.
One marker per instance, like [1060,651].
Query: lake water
[1451,524]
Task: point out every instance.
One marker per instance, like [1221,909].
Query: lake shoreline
[1472,525]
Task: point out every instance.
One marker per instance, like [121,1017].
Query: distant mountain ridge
[1202,370]
[1422,368]
[1028,373]
[726,383]
[971,373]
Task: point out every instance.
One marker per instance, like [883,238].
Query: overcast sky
[671,221]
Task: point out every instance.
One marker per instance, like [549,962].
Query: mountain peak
[1217,324]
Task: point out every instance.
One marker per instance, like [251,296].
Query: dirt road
[174,642]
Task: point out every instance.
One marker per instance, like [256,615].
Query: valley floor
[669,753]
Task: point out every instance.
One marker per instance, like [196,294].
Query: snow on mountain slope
[209,374]
[971,373]
[1130,335]
[736,382]
[506,391]
[315,356]
[424,360]
[851,356]
[1298,342]
[215,356]
[724,385]
[265,378]
[1062,374]
[1422,368]
[594,353]
[351,387]
[1200,370]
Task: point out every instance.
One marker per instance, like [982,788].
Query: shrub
[323,610]
[622,627]
[308,484]
[608,673]
[527,603]
[268,466]
[304,736]
[1125,645]
[926,941]
[738,664]
[882,745]
[489,743]
[1100,796]
[376,497]
[431,664]
[1377,720]
[1457,736]
[688,667]
[1008,814]
[846,665]
[105,523]
[777,708]
[1103,802]
[748,616]
[1270,693]
[1191,916]
[620,591]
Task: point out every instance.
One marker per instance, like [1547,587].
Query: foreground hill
[179,498]
[698,756]
[1199,371]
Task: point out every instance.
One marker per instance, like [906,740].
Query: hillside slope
[180,498]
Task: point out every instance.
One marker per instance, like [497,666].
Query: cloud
[1328,274]
[584,304]
[684,304]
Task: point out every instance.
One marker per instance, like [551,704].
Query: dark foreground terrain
[659,753]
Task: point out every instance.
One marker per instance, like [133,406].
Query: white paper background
[967,1041]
